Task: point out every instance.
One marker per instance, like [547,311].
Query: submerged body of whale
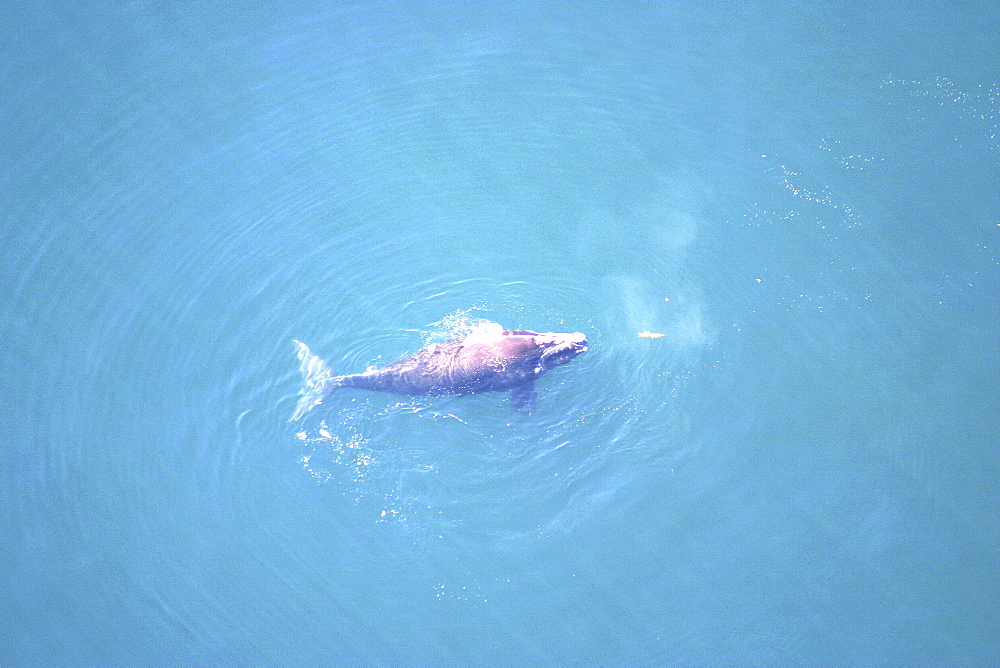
[510,359]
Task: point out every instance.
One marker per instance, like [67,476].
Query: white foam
[484,332]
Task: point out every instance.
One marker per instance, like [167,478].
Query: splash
[327,455]
[461,324]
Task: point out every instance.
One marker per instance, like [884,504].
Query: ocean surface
[777,223]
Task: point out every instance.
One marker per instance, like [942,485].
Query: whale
[489,360]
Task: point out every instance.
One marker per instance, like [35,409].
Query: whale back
[465,365]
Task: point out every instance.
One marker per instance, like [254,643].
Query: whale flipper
[318,377]
[522,397]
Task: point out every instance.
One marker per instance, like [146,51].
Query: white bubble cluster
[980,105]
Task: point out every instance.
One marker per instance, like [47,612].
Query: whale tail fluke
[318,377]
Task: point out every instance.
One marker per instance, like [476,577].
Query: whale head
[558,348]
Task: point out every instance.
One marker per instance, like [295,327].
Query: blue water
[801,198]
